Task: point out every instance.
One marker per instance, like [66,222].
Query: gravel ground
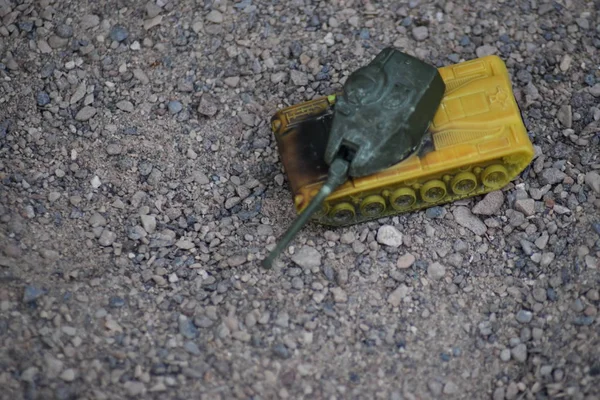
[140,186]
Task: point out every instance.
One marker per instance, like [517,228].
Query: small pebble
[420,33]
[436,271]
[64,31]
[32,293]
[524,316]
[405,261]
[43,99]
[118,33]
[389,236]
[174,106]
[519,353]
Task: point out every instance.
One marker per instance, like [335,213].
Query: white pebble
[96,182]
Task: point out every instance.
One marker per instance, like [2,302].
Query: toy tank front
[478,144]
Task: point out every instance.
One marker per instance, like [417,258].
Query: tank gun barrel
[338,173]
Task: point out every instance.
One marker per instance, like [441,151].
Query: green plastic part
[384,111]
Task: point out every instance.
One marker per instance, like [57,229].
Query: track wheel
[433,191]
[403,198]
[464,183]
[342,213]
[372,206]
[495,176]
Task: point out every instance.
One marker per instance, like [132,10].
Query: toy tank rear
[478,144]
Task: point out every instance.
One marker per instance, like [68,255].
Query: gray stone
[207,106]
[89,21]
[152,22]
[118,33]
[436,271]
[519,353]
[149,223]
[32,293]
[389,236]
[85,113]
[546,259]
[107,238]
[551,176]
[297,283]
[97,219]
[505,355]
[125,105]
[339,295]
[420,33]
[592,179]
[152,10]
[539,294]
[524,316]
[68,375]
[307,257]
[405,261]
[347,238]
[134,388]
[435,212]
[232,202]
[53,196]
[542,241]
[141,76]
[515,218]
[42,99]
[512,390]
[490,204]
[116,302]
[187,328]
[192,348]
[200,177]
[113,149]
[298,78]
[435,387]
[278,77]
[215,16]
[232,81]
[236,260]
[184,244]
[395,298]
[136,233]
[565,116]
[64,31]
[174,106]
[498,394]
[465,218]
[486,50]
[595,90]
[450,388]
[56,42]
[526,206]
[54,366]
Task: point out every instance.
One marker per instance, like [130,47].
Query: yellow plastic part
[464,183]
[342,213]
[373,205]
[479,145]
[433,191]
[495,176]
[403,198]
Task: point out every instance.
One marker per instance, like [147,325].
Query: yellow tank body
[478,144]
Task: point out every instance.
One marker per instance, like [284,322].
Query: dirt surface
[140,186]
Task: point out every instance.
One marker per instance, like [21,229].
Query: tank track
[404,197]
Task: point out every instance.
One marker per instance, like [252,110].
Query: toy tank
[477,144]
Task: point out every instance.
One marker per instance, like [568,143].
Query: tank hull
[477,143]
